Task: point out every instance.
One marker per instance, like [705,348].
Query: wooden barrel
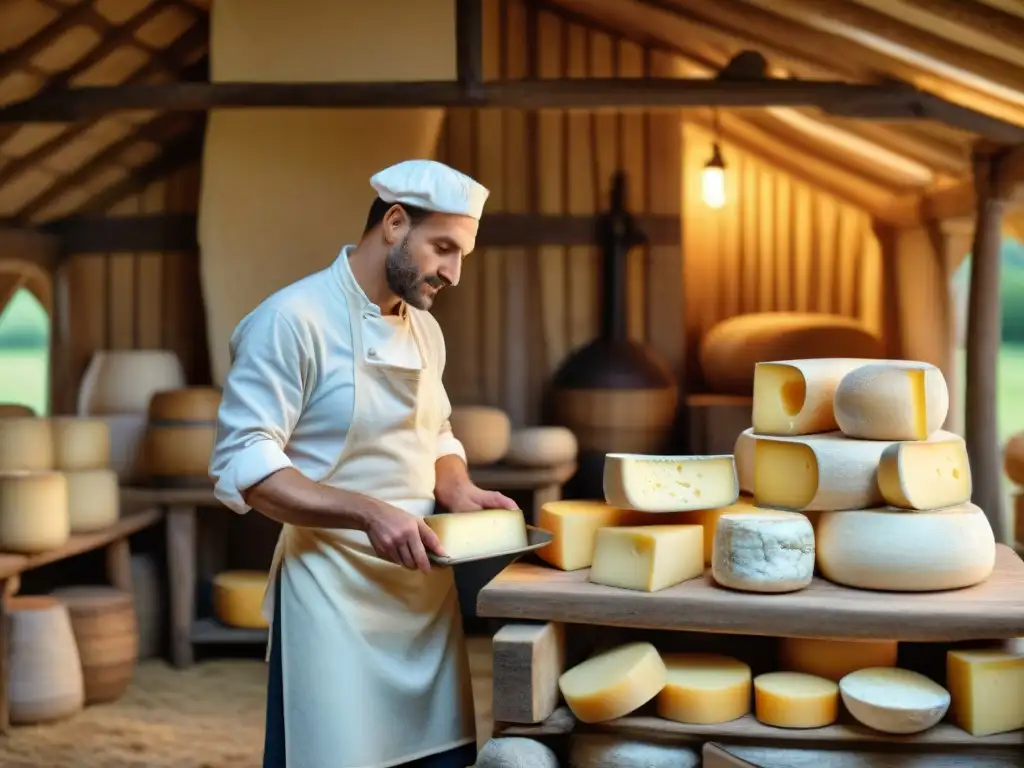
[103,620]
[180,435]
[44,666]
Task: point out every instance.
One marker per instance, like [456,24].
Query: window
[25,352]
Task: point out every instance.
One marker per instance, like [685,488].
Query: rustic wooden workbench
[114,539]
[181,505]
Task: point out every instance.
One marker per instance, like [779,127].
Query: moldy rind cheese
[669,483]
[26,445]
[768,551]
[892,400]
[704,688]
[795,700]
[472,534]
[900,551]
[794,397]
[834,659]
[614,683]
[648,558]
[925,475]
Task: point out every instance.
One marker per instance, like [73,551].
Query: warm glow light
[713,180]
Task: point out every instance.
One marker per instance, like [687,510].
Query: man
[334,422]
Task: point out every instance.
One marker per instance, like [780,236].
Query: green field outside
[23,378]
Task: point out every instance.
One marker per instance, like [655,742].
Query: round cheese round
[834,659]
[892,400]
[33,512]
[541,447]
[795,700]
[238,598]
[613,683]
[188,405]
[484,432]
[704,688]
[893,700]
[26,445]
[1013,458]
[94,499]
[899,551]
[766,551]
[80,444]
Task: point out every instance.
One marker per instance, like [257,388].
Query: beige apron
[373,656]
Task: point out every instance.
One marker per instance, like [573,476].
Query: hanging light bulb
[713,179]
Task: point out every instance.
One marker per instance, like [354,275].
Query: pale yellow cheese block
[26,445]
[795,700]
[613,683]
[471,534]
[669,483]
[574,524]
[794,397]
[704,688]
[238,598]
[647,558]
[80,444]
[906,551]
[834,659]
[33,511]
[1013,458]
[743,454]
[892,700]
[925,475]
[94,499]
[987,689]
[892,400]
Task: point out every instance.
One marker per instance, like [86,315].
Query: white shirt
[289,395]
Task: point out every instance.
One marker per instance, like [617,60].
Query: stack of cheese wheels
[1013,460]
[180,436]
[81,452]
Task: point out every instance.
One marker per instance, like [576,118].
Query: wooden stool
[45,669]
[103,619]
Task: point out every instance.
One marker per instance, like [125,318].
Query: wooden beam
[469,42]
[33,246]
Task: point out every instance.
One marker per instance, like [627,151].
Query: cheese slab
[925,475]
[835,659]
[987,688]
[893,700]
[704,688]
[647,558]
[900,551]
[669,483]
[613,683]
[892,400]
[766,551]
[574,524]
[794,397]
[474,534]
[743,454]
[795,700]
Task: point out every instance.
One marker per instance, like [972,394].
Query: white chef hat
[432,186]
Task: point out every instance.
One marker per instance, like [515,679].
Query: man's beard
[404,278]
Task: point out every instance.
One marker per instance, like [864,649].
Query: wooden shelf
[212,632]
[991,610]
[749,729]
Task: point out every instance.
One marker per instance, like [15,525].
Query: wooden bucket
[179,438]
[44,666]
[103,619]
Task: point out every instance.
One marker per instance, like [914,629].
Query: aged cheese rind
[647,558]
[33,512]
[834,659]
[669,483]
[794,397]
[26,445]
[893,700]
[614,683]
[892,400]
[472,534]
[767,551]
[743,454]
[987,689]
[903,551]
[795,700]
[704,688]
[238,598]
[925,475]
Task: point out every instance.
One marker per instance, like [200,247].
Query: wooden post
[469,45]
[983,341]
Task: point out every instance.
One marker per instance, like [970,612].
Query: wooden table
[180,506]
[119,572]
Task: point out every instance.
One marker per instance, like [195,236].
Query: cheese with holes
[474,534]
[80,444]
[33,512]
[795,700]
[574,525]
[987,688]
[925,475]
[704,688]
[26,445]
[767,551]
[647,558]
[901,551]
[613,683]
[94,499]
[893,700]
[794,397]
[669,483]
[834,659]
[743,454]
[238,598]
[1013,458]
[892,400]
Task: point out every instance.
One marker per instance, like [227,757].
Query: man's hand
[470,498]
[402,538]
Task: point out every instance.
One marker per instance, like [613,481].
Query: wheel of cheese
[33,512]
[238,598]
[795,700]
[704,689]
[180,436]
[190,405]
[613,683]
[94,499]
[892,400]
[123,381]
[541,447]
[1013,458]
[766,551]
[834,659]
[80,444]
[483,431]
[599,750]
[893,700]
[731,349]
[515,752]
[46,682]
[899,551]
[26,445]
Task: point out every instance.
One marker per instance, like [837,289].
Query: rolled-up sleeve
[260,405]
